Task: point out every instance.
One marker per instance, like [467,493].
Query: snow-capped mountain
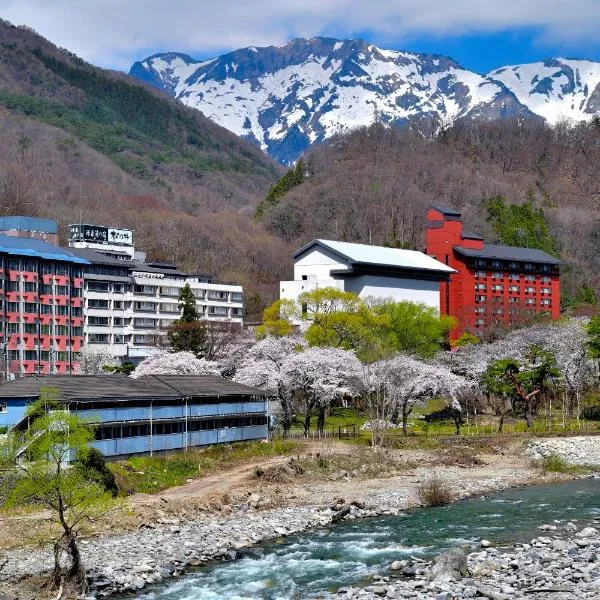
[286,98]
[557,89]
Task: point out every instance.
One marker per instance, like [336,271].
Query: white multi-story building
[368,271]
[129,304]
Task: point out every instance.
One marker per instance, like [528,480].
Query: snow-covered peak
[285,98]
[556,89]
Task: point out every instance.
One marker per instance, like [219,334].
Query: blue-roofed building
[45,230]
[41,308]
[149,414]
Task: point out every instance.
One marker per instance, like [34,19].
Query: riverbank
[165,545]
[563,564]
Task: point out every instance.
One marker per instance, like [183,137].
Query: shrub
[90,462]
[434,491]
[554,463]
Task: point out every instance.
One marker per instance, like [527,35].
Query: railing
[340,432]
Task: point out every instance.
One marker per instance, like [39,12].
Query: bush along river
[355,555]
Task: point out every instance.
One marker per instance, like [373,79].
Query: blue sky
[480,34]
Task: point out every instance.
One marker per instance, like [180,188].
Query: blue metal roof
[20,223]
[38,249]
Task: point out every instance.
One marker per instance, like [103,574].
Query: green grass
[151,474]
[554,463]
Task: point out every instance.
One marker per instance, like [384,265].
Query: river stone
[398,565]
[587,532]
[449,566]
[485,543]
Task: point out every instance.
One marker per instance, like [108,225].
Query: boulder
[449,566]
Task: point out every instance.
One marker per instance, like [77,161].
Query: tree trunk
[76,572]
[57,574]
[321,420]
[286,409]
[528,415]
[405,412]
[307,418]
[501,422]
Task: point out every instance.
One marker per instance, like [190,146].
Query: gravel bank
[162,550]
[564,565]
[581,450]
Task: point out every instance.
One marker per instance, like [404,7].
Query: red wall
[443,233]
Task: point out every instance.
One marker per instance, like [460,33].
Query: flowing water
[308,565]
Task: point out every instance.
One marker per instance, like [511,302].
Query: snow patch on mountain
[288,97]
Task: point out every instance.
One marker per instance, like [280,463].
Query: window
[546,290]
[97,303]
[118,288]
[530,301]
[12,328]
[480,310]
[142,323]
[546,279]
[480,298]
[479,322]
[98,321]
[237,312]
[62,330]
[497,275]
[480,274]
[76,331]
[30,286]
[498,311]
[170,308]
[497,288]
[13,264]
[148,290]
[169,291]
[514,277]
[118,321]
[513,288]
[145,306]
[530,289]
[118,339]
[480,287]
[217,310]
[3,407]
[118,304]
[13,307]
[237,296]
[513,300]
[46,309]
[46,289]
[61,310]
[217,295]
[76,311]
[13,286]
[62,290]
[46,329]
[98,338]
[31,355]
[546,302]
[97,286]
[31,328]
[30,307]
[529,277]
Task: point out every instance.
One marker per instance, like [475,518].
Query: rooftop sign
[100,235]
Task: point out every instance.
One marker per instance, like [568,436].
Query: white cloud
[117,32]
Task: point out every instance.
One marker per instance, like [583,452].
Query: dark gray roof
[149,268]
[446,211]
[204,385]
[98,258]
[467,235]
[509,253]
[94,387]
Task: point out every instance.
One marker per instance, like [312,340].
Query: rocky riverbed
[163,549]
[563,564]
[579,450]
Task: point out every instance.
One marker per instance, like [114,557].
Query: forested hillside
[376,183]
[80,143]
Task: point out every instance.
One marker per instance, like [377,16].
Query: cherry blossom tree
[93,360]
[176,363]
[319,376]
[262,365]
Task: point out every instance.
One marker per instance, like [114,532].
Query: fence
[340,432]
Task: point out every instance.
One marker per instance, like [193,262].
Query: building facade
[368,271]
[149,414]
[492,286]
[41,309]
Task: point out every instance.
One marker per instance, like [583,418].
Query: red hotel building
[494,286]
[41,311]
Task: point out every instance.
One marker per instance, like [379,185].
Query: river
[309,564]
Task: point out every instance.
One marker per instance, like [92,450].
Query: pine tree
[188,334]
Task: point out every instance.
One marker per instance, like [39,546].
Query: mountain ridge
[286,98]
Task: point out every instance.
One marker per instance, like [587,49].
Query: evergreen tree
[291,179]
[188,334]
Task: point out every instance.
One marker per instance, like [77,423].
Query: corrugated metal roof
[20,223]
[98,258]
[204,385]
[381,255]
[37,249]
[445,210]
[510,253]
[94,387]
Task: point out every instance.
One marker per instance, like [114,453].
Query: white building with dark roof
[368,271]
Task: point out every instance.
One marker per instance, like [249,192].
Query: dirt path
[224,481]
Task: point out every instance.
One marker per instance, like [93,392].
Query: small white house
[368,271]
